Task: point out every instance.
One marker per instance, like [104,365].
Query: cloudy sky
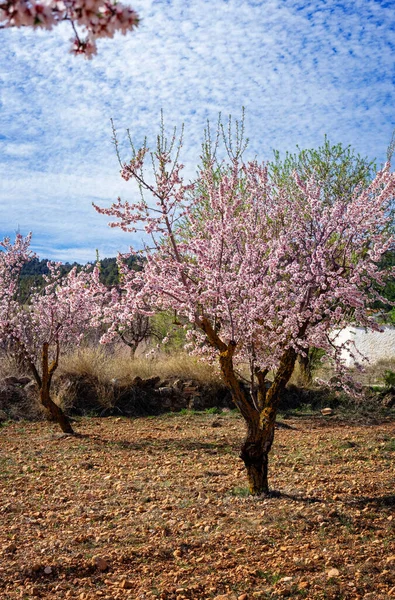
[301,69]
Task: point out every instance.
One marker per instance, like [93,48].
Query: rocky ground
[158,508]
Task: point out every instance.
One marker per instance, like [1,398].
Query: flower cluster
[95,18]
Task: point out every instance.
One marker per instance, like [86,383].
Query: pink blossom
[90,19]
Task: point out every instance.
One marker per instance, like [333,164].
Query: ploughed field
[157,508]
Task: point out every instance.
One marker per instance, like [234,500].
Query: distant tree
[262,275]
[129,326]
[109,272]
[337,168]
[90,20]
[55,316]
[32,272]
[388,291]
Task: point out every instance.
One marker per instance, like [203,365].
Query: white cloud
[301,70]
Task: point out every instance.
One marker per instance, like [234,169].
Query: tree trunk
[55,411]
[259,413]
[258,442]
[44,383]
[305,371]
[133,348]
[255,455]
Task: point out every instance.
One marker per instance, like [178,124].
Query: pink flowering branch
[90,19]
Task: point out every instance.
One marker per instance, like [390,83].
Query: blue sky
[301,69]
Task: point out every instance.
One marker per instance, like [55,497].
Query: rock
[243,597]
[190,390]
[35,591]
[31,386]
[48,570]
[177,384]
[333,573]
[286,579]
[165,391]
[126,584]
[303,585]
[11,380]
[24,381]
[388,401]
[216,423]
[101,563]
[150,382]
[327,411]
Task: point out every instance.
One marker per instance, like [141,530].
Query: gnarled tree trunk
[55,411]
[44,384]
[255,455]
[259,413]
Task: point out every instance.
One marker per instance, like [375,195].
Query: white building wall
[375,345]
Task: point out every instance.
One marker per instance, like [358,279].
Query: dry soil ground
[157,508]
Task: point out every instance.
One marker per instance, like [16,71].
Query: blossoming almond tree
[260,275]
[114,314]
[90,19]
[54,317]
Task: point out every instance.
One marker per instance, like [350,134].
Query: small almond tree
[54,317]
[89,20]
[130,327]
[260,274]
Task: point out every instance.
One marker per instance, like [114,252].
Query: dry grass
[9,366]
[106,366]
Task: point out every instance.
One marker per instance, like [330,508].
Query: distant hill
[32,272]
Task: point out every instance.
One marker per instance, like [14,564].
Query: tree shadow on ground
[294,497]
[162,445]
[386,501]
[376,502]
